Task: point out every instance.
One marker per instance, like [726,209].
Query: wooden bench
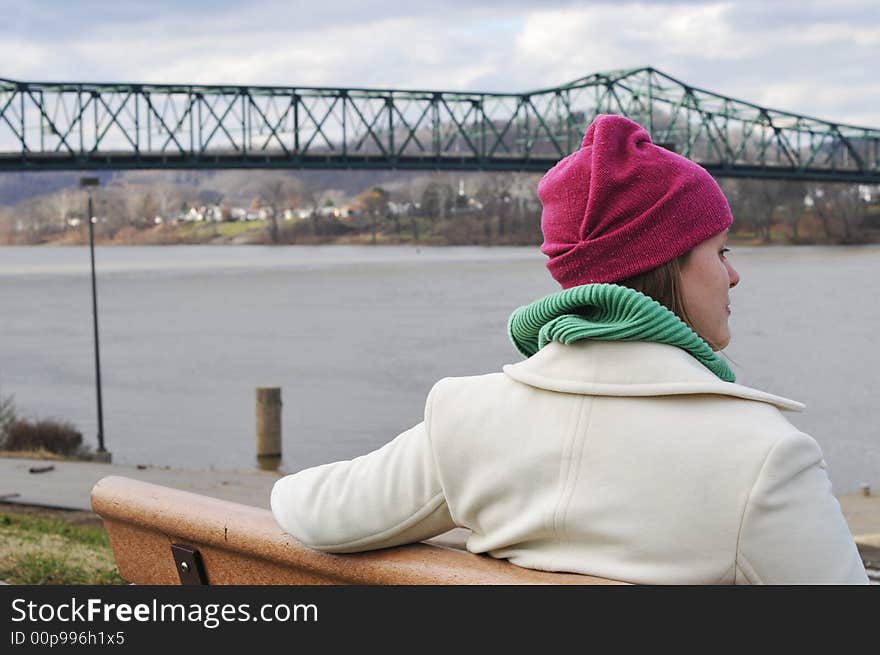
[165,536]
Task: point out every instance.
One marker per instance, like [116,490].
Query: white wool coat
[625,460]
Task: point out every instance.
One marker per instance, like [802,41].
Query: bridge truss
[69,126]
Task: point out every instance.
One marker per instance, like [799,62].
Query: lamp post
[102,454]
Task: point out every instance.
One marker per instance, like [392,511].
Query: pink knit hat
[621,205]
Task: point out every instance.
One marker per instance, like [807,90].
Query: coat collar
[628,368]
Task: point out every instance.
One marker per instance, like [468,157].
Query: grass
[225,230]
[39,453]
[47,550]
[43,569]
[238,228]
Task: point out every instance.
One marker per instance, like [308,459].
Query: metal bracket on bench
[188,563]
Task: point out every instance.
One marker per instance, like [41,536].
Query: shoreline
[233,234]
[390,242]
[66,485]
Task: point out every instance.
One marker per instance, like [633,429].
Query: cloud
[766,53]
[378,53]
[578,41]
[16,49]
[809,57]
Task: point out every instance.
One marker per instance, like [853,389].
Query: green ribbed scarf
[606,312]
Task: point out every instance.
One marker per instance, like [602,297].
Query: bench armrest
[243,545]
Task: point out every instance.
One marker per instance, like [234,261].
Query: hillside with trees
[310,207]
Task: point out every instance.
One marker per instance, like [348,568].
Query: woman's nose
[734,276]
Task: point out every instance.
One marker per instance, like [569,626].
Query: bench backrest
[166,536]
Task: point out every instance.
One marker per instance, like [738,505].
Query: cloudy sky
[818,58]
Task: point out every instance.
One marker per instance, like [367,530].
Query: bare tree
[40,219]
[311,202]
[754,203]
[495,194]
[272,195]
[278,194]
[166,197]
[414,193]
[437,199]
[375,206]
[134,204]
[842,206]
[65,203]
[791,199]
[7,226]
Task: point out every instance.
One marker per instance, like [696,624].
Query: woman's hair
[664,285]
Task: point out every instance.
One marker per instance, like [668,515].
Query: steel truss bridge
[76,126]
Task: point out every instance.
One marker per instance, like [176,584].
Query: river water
[357,335]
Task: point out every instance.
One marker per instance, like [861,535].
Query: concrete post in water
[268,428]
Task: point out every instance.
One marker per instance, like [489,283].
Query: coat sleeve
[389,497]
[793,530]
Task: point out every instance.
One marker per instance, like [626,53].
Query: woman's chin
[722,343]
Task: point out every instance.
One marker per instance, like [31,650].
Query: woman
[621,447]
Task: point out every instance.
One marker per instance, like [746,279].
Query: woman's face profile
[707,278]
